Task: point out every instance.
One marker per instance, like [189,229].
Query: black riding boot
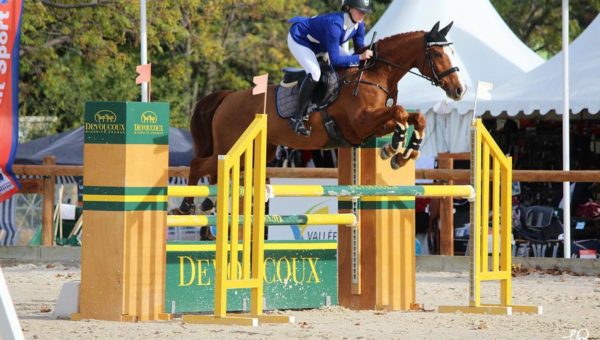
[306,91]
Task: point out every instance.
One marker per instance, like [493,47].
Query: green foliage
[73,51]
[73,54]
[538,23]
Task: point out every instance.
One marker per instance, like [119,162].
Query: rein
[435,80]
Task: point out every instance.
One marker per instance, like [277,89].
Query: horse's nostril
[459,91]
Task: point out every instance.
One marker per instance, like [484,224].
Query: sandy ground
[571,304]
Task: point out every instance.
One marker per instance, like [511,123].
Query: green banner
[297,275]
[126,123]
[104,123]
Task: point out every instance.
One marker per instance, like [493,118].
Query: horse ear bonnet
[446,29]
[433,33]
[437,35]
[435,28]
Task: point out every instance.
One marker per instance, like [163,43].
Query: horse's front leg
[413,145]
[399,121]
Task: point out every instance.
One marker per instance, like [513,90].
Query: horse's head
[437,63]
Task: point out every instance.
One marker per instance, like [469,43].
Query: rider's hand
[367,54]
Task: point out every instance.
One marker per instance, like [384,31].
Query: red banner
[10,33]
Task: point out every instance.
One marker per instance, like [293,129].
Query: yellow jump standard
[487,155]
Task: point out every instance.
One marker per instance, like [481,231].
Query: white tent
[485,49]
[540,91]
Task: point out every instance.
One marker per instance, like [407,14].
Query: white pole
[565,129]
[9,323]
[144,46]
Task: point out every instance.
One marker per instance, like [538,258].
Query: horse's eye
[437,54]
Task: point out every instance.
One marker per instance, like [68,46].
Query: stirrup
[299,128]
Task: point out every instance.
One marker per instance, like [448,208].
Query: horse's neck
[404,50]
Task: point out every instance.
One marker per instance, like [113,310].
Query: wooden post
[386,244]
[446,213]
[123,258]
[446,161]
[49,184]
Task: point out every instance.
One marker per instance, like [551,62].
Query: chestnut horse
[220,118]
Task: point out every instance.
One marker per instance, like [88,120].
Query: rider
[325,34]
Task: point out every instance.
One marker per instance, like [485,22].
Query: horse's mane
[392,37]
[399,35]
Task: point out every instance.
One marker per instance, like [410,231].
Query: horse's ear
[445,30]
[430,36]
[435,28]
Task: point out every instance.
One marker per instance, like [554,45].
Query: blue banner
[10,38]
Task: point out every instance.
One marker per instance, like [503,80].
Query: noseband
[437,78]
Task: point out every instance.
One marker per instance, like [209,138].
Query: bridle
[436,80]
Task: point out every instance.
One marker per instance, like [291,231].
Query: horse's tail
[201,122]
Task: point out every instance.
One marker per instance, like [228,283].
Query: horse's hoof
[207,205]
[387,151]
[398,161]
[206,234]
[394,163]
[177,211]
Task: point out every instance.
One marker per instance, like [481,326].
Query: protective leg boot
[304,97]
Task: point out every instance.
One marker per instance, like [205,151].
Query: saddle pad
[326,92]
[286,101]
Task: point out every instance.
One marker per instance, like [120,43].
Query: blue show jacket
[325,33]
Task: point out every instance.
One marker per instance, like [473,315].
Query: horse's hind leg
[412,147]
[400,116]
[199,167]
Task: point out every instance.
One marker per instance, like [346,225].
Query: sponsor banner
[127,123]
[302,206]
[296,275]
[10,38]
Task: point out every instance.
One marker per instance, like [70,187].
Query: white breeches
[307,58]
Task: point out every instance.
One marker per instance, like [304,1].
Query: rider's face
[357,15]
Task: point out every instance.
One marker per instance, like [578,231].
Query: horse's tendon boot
[399,134]
[398,137]
[413,146]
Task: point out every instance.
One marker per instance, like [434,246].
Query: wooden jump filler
[376,259]
[125,171]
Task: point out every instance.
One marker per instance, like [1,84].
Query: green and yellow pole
[125,170]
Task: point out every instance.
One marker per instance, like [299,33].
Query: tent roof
[485,47]
[541,90]
[67,148]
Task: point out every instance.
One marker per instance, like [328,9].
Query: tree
[73,51]
[538,23]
